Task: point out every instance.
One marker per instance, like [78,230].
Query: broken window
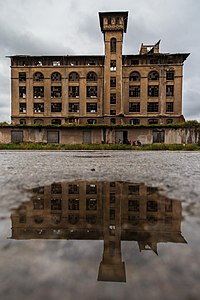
[56,76]
[91,189]
[91,62]
[22,92]
[113,98]
[170,75]
[56,107]
[38,76]
[74,107]
[134,91]
[73,204]
[74,77]
[38,91]
[56,63]
[38,121]
[135,121]
[91,219]
[38,63]
[73,91]
[153,90]
[134,76]
[113,112]
[152,107]
[56,204]
[91,121]
[134,106]
[56,122]
[152,121]
[73,219]
[56,188]
[112,81]
[22,76]
[91,107]
[134,62]
[38,203]
[169,107]
[169,121]
[73,189]
[134,205]
[22,107]
[22,121]
[153,75]
[113,43]
[112,198]
[38,107]
[56,92]
[113,65]
[133,189]
[169,91]
[91,76]
[152,206]
[91,204]
[91,91]
[112,214]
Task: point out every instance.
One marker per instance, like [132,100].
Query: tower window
[113,43]
[113,82]
[113,98]
[113,65]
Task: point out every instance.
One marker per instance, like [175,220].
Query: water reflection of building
[109,211]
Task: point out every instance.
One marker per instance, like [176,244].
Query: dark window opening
[113,98]
[22,92]
[22,107]
[38,91]
[113,82]
[169,121]
[153,90]
[91,107]
[134,106]
[22,76]
[133,205]
[91,219]
[152,121]
[91,121]
[112,214]
[133,220]
[113,121]
[135,121]
[91,189]
[92,76]
[113,44]
[73,219]
[73,91]
[113,65]
[56,122]
[170,75]
[74,107]
[73,204]
[169,91]
[134,76]
[56,188]
[91,91]
[56,107]
[38,76]
[153,61]
[152,106]
[56,76]
[73,189]
[112,198]
[56,92]
[38,107]
[91,204]
[152,206]
[113,112]
[38,203]
[38,220]
[133,189]
[169,107]
[134,91]
[56,204]
[154,75]
[73,77]
[39,121]
[22,122]
[134,62]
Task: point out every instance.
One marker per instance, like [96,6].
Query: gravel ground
[68,269]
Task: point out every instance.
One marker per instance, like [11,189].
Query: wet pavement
[99,225]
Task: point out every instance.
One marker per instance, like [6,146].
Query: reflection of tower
[112,268]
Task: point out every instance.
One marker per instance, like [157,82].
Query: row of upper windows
[92,76]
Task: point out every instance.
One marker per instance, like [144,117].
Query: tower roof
[123,14]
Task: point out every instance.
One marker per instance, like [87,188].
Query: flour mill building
[144,88]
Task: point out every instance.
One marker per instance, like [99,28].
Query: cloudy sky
[39,27]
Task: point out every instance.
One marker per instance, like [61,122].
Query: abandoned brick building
[145,88]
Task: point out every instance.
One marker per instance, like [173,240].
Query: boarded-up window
[17,136]
[158,136]
[87,137]
[53,137]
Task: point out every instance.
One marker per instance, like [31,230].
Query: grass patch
[152,147]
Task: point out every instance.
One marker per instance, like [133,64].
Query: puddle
[111,212]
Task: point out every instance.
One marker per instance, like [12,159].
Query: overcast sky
[39,27]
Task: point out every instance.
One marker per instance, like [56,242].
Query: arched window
[73,76]
[56,122]
[134,76]
[113,43]
[22,121]
[152,121]
[38,121]
[56,76]
[135,121]
[91,76]
[153,75]
[91,121]
[38,76]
